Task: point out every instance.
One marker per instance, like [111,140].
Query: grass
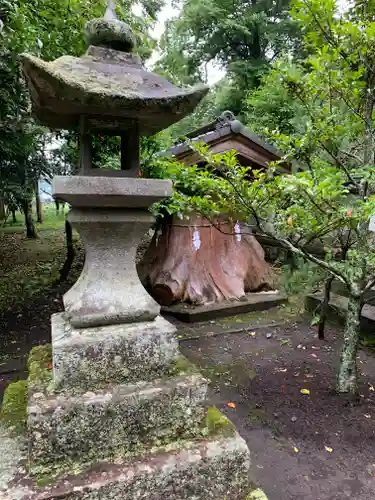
[29,266]
[51,221]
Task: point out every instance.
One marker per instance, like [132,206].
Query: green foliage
[271,106]
[241,37]
[303,278]
[206,111]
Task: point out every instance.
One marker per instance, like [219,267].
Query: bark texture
[2,209]
[39,205]
[70,254]
[31,231]
[324,307]
[193,261]
[347,380]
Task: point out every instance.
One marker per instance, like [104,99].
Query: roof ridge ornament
[227,116]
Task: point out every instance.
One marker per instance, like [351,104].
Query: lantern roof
[108,85]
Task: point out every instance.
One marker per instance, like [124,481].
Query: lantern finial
[110,13]
[110,32]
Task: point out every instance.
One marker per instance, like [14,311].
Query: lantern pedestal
[122,415]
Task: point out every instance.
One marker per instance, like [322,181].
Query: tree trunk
[65,270]
[192,261]
[324,307]
[2,209]
[39,206]
[31,231]
[347,379]
[57,204]
[14,218]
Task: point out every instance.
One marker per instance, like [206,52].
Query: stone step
[84,359]
[215,468]
[338,307]
[260,301]
[340,289]
[120,420]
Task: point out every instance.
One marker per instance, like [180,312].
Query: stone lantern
[125,415]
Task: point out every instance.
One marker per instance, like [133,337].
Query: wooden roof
[227,134]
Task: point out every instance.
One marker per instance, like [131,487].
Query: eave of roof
[220,129]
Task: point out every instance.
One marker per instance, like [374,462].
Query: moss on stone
[218,423]
[182,366]
[14,408]
[45,480]
[40,366]
[256,494]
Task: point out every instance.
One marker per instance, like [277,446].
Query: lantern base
[207,469]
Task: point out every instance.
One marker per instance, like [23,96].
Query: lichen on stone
[110,33]
[14,408]
[40,367]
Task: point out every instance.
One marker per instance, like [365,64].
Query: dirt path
[310,447]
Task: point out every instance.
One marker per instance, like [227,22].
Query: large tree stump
[193,261]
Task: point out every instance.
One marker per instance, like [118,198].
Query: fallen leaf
[285,342]
[180,337]
[283,388]
[50,366]
[296,450]
[313,355]
[231,405]
[305,391]
[367,415]
[309,375]
[252,333]
[371,387]
[330,450]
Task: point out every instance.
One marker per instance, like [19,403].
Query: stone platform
[131,352]
[338,306]
[212,469]
[122,418]
[125,440]
[261,301]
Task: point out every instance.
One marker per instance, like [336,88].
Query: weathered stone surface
[110,33]
[112,192]
[106,86]
[208,469]
[118,421]
[109,290]
[84,359]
